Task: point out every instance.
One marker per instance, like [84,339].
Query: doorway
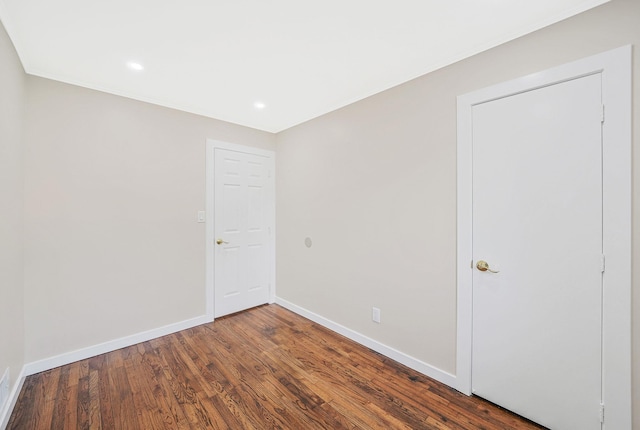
[537,214]
[240,228]
[518,211]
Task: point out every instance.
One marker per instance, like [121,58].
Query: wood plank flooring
[265,368]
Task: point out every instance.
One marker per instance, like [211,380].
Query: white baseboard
[411,362]
[112,345]
[5,413]
[91,351]
[81,354]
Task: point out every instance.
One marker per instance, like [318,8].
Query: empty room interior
[115,223]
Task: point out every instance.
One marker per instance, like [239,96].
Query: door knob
[220,241]
[483,266]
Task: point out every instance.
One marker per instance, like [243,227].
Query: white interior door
[243,207]
[537,220]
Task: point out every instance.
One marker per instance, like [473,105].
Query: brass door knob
[220,241]
[483,266]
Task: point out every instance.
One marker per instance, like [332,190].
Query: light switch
[201,216]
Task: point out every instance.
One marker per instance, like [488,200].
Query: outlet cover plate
[375,315]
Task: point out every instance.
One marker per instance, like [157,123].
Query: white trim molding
[615,69]
[91,351]
[211,146]
[112,345]
[6,411]
[387,351]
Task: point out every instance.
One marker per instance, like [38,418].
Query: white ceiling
[300,58]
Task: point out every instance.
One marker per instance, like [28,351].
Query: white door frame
[212,145]
[615,66]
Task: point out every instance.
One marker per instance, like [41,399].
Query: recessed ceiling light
[259,105]
[135,66]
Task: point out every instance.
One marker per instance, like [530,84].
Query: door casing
[211,146]
[615,67]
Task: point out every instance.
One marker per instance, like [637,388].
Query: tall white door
[243,205]
[537,221]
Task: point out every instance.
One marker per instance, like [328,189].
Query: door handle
[483,266]
[220,241]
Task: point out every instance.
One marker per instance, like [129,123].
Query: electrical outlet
[375,315]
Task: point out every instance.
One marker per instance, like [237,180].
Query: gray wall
[12,87]
[374,185]
[113,185]
[111,194]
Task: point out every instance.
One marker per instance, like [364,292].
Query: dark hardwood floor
[265,368]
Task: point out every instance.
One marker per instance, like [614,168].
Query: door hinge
[602,412]
[602,116]
[602,263]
